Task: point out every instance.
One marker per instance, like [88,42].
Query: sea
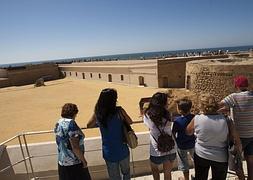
[134,56]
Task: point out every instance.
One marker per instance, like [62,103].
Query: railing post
[29,157]
[23,154]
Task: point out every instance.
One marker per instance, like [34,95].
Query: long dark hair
[106,105]
[156,109]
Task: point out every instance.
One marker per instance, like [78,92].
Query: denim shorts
[183,163]
[162,159]
[247,146]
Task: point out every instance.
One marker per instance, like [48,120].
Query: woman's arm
[74,141]
[223,108]
[190,128]
[127,117]
[92,122]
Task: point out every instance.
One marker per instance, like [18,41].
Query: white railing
[27,157]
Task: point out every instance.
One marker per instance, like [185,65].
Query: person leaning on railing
[72,164]
[157,119]
[185,143]
[115,150]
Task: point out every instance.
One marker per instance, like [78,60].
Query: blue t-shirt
[64,130]
[114,149]
[183,140]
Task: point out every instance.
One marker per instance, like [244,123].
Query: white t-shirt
[155,133]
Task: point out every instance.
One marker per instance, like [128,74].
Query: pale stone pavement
[177,174]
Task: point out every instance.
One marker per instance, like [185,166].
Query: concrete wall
[44,159]
[124,72]
[216,77]
[100,74]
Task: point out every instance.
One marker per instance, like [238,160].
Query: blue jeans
[114,169]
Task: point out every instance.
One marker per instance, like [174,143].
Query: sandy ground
[26,108]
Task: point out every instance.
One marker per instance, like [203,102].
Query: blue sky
[33,30]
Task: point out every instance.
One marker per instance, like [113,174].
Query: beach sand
[26,108]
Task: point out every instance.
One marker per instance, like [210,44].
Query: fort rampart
[161,73]
[216,76]
[17,76]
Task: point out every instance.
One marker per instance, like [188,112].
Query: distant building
[160,73]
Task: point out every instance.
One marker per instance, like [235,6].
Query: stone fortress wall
[179,72]
[216,76]
[24,75]
[161,73]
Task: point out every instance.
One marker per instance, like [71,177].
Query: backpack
[165,142]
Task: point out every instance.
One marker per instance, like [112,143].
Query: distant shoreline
[131,56]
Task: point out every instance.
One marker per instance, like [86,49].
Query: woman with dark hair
[72,164]
[106,117]
[157,119]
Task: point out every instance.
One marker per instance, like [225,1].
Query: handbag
[234,157]
[129,134]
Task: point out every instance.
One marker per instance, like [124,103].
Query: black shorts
[74,172]
[247,146]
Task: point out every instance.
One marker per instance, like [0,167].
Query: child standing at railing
[185,143]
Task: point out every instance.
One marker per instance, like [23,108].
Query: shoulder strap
[162,131]
[154,138]
[120,113]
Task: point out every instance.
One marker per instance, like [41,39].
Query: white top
[212,137]
[154,133]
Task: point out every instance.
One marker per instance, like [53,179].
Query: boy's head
[184,105]
[241,82]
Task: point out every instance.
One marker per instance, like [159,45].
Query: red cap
[241,81]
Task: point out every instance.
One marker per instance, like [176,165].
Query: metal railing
[24,149]
[27,157]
